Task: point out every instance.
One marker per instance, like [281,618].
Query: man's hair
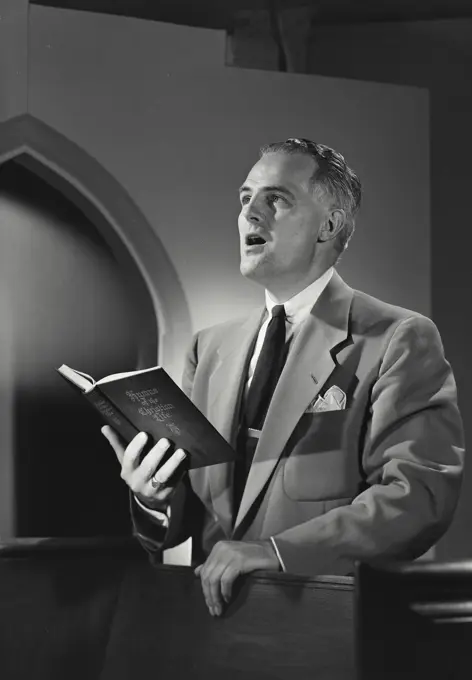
[332,175]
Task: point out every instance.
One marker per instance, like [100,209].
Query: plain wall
[13,58]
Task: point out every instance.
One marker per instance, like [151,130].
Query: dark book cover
[152,402]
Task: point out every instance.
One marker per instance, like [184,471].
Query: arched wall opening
[79,287]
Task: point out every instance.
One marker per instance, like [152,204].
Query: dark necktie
[266,375]
[268,369]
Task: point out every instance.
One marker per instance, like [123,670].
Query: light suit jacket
[378,479]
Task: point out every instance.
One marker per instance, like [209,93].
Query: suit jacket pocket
[320,465]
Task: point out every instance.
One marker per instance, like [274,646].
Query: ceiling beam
[221,14]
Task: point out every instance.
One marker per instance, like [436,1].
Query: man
[342,408]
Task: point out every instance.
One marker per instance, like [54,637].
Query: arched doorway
[75,290]
[67,303]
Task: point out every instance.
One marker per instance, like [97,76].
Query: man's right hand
[148,479]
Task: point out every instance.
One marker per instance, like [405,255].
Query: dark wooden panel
[415,621]
[56,606]
[98,611]
[277,628]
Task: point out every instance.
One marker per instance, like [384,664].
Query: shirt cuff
[274,545]
[162,517]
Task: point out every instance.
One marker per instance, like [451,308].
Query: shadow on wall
[68,303]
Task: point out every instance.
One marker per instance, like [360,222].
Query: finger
[206,594]
[226,582]
[115,440]
[215,590]
[201,571]
[165,472]
[198,570]
[132,453]
[151,460]
[211,583]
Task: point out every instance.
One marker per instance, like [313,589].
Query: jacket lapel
[309,365]
[225,389]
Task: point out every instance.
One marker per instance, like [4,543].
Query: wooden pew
[414,621]
[96,609]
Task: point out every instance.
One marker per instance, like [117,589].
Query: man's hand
[226,562]
[139,476]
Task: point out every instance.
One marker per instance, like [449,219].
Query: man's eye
[244,199]
[276,198]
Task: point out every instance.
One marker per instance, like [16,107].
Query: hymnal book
[150,401]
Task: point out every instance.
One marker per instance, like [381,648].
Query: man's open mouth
[255,240]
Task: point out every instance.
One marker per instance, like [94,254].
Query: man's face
[280,219]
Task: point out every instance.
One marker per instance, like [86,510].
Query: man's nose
[253,212]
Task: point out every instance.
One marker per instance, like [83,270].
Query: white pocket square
[334,399]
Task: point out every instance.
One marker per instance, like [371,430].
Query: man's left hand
[227,561]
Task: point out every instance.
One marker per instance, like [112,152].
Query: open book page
[86,383]
[82,380]
[119,376]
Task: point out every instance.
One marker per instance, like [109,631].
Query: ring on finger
[156,483]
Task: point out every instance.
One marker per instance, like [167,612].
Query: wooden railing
[96,609]
[414,621]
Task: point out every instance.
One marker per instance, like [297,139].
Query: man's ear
[332,225]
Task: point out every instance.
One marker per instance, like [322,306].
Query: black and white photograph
[235,322]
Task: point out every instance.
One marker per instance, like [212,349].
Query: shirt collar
[299,306]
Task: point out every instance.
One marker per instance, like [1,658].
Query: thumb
[115,441]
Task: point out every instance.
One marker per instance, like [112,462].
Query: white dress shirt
[297,309]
